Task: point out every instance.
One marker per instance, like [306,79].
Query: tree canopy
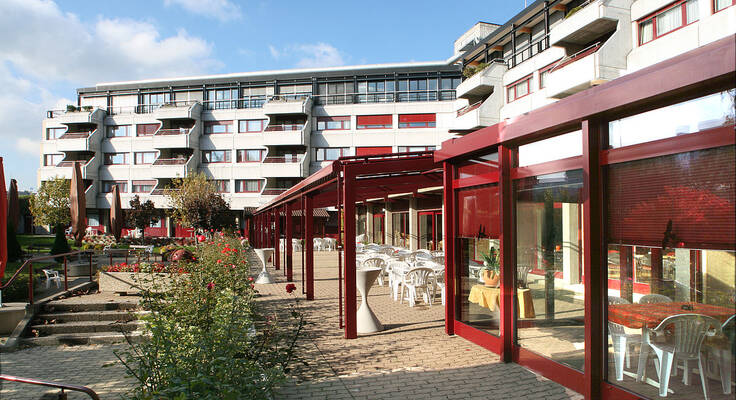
[50,205]
[196,203]
[141,215]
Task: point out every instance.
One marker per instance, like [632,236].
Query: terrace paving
[411,358]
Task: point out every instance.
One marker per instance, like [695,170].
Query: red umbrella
[3,222]
[116,214]
[13,207]
[78,205]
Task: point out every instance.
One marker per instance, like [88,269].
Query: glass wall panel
[550,316]
[430,233]
[378,228]
[400,229]
[671,242]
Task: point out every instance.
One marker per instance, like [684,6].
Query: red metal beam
[277,235]
[308,247]
[287,246]
[508,249]
[349,173]
[449,223]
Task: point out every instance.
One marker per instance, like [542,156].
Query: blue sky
[50,48]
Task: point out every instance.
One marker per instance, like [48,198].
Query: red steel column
[277,235]
[508,262]
[449,221]
[287,246]
[593,260]
[308,245]
[351,326]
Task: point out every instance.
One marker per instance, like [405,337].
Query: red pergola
[342,184]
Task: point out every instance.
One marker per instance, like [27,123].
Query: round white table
[367,322]
[264,254]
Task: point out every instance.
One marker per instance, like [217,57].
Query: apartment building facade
[254,135]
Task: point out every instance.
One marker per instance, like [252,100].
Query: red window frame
[122,186]
[713,6]
[240,183]
[343,120]
[108,159]
[653,17]
[243,160]
[545,69]
[136,184]
[146,129]
[513,85]
[263,122]
[417,121]
[209,124]
[383,121]
[228,157]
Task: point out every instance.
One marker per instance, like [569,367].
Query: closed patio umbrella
[3,222]
[78,205]
[116,214]
[13,206]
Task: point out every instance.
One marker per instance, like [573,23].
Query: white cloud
[314,55]
[223,10]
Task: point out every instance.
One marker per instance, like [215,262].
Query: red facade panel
[375,119]
[417,118]
[371,151]
[478,212]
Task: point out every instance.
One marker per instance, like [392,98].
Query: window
[255,97]
[333,123]
[330,153]
[719,5]
[335,93]
[222,99]
[118,131]
[108,185]
[51,160]
[417,121]
[376,91]
[519,89]
[215,156]
[375,121]
[146,129]
[218,127]
[251,125]
[544,74]
[145,157]
[151,101]
[116,158]
[249,155]
[447,88]
[555,148]
[248,185]
[54,133]
[422,89]
[670,18]
[221,185]
[407,149]
[143,186]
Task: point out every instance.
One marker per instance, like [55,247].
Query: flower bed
[134,278]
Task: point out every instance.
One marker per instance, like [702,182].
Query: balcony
[169,168]
[592,20]
[287,134]
[79,141]
[280,105]
[482,83]
[64,169]
[178,110]
[95,116]
[285,167]
[180,138]
[589,67]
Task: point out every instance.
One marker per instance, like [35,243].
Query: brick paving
[411,358]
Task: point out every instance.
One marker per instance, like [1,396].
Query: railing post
[30,283]
[90,267]
[66,276]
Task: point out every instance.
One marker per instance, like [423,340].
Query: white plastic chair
[52,276]
[376,262]
[439,282]
[654,298]
[296,244]
[396,271]
[721,351]
[621,341]
[685,342]
[417,279]
[318,244]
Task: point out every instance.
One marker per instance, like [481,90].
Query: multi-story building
[257,134]
[254,134]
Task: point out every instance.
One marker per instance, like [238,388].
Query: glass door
[430,229]
[378,228]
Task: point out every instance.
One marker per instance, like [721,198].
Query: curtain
[646,32]
[669,20]
[692,10]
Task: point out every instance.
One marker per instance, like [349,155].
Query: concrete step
[115,315]
[86,327]
[56,307]
[71,339]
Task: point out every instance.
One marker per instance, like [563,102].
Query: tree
[196,203]
[50,206]
[142,215]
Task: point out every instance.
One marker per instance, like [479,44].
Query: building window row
[249,155]
[54,133]
[218,127]
[409,149]
[51,160]
[116,158]
[331,153]
[333,123]
[668,19]
[417,121]
[143,186]
[215,156]
[252,125]
[719,5]
[384,121]
[374,121]
[241,185]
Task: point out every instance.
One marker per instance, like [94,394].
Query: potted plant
[491,270]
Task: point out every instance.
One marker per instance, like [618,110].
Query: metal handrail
[70,163]
[469,108]
[29,262]
[283,159]
[576,56]
[63,386]
[284,127]
[172,132]
[171,161]
[77,135]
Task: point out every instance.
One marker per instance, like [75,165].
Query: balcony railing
[273,191]
[76,135]
[161,192]
[576,56]
[171,161]
[171,132]
[284,127]
[148,108]
[469,108]
[230,104]
[70,163]
[283,159]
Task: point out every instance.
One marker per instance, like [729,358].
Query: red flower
[210,285]
[250,279]
[290,288]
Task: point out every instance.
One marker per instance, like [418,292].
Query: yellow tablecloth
[489,297]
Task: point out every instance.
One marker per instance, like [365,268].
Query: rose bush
[207,336]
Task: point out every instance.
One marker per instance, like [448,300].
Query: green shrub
[471,70]
[208,337]
[14,250]
[99,246]
[71,108]
[18,290]
[60,244]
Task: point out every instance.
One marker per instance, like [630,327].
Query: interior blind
[417,118]
[478,210]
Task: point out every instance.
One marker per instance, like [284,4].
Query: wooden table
[489,297]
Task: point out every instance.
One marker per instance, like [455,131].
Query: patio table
[489,297]
[264,255]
